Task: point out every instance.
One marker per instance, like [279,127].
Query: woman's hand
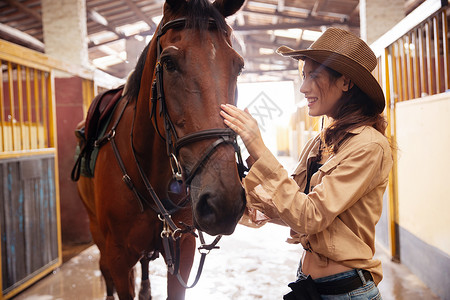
[246,126]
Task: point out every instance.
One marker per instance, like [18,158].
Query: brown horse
[171,134]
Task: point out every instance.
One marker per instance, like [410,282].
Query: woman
[334,198]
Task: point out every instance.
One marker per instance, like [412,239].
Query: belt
[343,286]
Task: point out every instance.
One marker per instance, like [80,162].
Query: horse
[166,163]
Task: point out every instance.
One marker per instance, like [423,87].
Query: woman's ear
[347,84]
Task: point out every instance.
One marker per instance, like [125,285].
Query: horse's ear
[228,7]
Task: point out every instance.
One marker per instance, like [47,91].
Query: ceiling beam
[25,9]
[301,25]
[142,33]
[291,9]
[21,38]
[140,14]
[275,13]
[99,19]
[341,19]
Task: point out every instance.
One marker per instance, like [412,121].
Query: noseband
[175,143]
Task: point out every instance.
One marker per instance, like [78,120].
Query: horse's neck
[146,140]
[150,148]
[143,130]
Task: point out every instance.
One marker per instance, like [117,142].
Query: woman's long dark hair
[355,109]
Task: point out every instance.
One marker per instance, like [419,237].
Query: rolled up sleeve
[272,191]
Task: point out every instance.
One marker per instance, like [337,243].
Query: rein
[171,233]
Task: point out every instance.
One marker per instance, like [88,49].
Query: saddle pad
[87,166]
[98,118]
[100,109]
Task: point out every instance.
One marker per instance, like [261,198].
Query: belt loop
[361,276]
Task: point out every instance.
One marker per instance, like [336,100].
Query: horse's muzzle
[215,213]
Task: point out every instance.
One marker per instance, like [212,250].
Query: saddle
[97,120]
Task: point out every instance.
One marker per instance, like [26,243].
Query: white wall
[423,137]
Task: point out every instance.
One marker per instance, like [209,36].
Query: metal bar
[2,111]
[404,71]
[51,112]
[392,188]
[20,100]
[44,109]
[445,50]
[398,72]
[415,65]
[409,72]
[29,116]
[36,106]
[428,56]
[423,74]
[392,50]
[437,56]
[54,139]
[11,104]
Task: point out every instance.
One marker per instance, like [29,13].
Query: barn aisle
[250,264]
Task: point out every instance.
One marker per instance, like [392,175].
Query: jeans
[368,291]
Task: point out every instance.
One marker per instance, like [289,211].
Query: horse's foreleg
[121,266]
[145,290]
[108,280]
[175,291]
[99,240]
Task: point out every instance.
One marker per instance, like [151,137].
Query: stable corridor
[251,264]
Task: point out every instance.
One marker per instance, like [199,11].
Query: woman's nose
[304,87]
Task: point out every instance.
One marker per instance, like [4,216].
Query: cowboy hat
[347,54]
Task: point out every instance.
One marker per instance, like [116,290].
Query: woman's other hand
[241,122]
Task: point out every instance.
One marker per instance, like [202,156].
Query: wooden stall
[414,70]
[29,181]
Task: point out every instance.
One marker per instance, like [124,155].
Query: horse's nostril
[205,208]
[217,212]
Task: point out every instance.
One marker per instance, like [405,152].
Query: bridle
[175,143]
[171,233]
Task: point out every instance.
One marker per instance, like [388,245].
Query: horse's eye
[169,65]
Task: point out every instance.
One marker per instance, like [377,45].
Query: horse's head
[196,72]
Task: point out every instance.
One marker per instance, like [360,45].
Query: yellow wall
[423,137]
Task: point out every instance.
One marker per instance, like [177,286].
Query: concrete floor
[250,264]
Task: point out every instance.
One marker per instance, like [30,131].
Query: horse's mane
[197,14]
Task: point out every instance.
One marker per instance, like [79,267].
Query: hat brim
[359,75]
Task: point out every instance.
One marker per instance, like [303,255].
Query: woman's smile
[312,100]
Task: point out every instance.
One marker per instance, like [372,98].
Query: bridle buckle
[176,167]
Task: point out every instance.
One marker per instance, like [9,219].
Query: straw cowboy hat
[347,54]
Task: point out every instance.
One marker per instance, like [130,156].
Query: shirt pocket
[330,165]
[301,168]
[324,170]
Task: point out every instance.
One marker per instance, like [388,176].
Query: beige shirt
[336,219]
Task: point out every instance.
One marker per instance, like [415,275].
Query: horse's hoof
[109,298]
[144,292]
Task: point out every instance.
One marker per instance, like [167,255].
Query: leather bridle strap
[224,136]
[202,135]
